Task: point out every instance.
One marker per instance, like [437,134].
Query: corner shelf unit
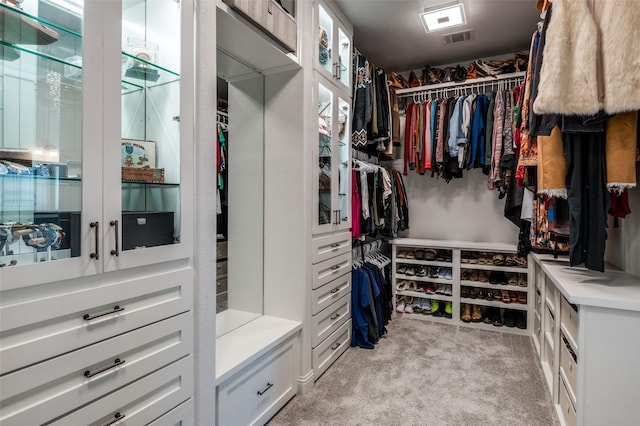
[453,255]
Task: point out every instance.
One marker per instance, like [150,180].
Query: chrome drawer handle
[116,362]
[265,389]
[116,417]
[335,268]
[334,317]
[115,309]
[335,290]
[336,346]
[335,245]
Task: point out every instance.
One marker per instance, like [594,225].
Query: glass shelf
[40,177]
[43,37]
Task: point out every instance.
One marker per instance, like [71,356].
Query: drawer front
[329,270]
[329,350]
[548,353]
[324,296]
[536,324]
[569,366]
[549,321]
[566,407]
[221,268]
[221,249]
[57,386]
[221,285]
[141,402]
[259,391]
[569,317]
[46,327]
[324,248]
[182,415]
[328,321]
[550,293]
[538,303]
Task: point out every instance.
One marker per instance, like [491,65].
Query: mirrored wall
[240,193]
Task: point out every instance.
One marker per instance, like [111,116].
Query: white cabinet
[587,341]
[333,46]
[332,156]
[96,282]
[96,143]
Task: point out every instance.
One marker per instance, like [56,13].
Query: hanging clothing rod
[475,83]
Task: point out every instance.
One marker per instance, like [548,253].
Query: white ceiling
[389,32]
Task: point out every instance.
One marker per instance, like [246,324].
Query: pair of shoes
[446,273]
[494,314]
[521,320]
[476,314]
[465,316]
[419,254]
[464,291]
[420,271]
[512,278]
[483,277]
[402,254]
[521,297]
[509,318]
[448,310]
[522,280]
[506,298]
[448,291]
[434,271]
[498,277]
[402,269]
[426,306]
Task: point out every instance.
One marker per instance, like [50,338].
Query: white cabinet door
[333,47]
[96,147]
[332,179]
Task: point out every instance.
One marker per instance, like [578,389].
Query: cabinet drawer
[550,294]
[221,249]
[331,269]
[327,294]
[57,386]
[549,321]
[43,328]
[328,321]
[329,350]
[566,406]
[140,402]
[221,268]
[255,394]
[179,416]
[538,302]
[324,248]
[536,324]
[281,25]
[221,285]
[569,366]
[569,317]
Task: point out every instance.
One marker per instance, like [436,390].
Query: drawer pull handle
[116,417]
[335,268]
[265,389]
[116,362]
[335,245]
[115,309]
[334,317]
[96,254]
[336,346]
[335,290]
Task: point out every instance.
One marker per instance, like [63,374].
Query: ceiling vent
[457,37]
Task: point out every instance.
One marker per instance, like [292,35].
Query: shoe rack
[471,284]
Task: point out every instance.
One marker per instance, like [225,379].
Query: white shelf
[421,317]
[502,268]
[483,302]
[479,284]
[491,327]
[455,245]
[421,295]
[424,262]
[424,279]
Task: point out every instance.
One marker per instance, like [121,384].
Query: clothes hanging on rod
[371,294]
[221,178]
[381,196]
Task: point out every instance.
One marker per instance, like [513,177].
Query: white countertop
[613,289]
[463,245]
[243,345]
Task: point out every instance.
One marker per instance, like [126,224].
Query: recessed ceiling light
[443,17]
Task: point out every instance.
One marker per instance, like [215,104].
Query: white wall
[463,209]
[623,244]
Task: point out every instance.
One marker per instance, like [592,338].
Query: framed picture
[139,154]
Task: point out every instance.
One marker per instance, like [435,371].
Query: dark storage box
[146,229]
[70,224]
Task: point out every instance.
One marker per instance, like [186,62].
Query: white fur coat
[590,41]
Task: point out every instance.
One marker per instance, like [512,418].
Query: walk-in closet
[310,212]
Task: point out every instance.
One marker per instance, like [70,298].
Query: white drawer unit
[141,402]
[329,270]
[569,367]
[328,321]
[567,410]
[261,389]
[329,350]
[43,328]
[329,246]
[327,294]
[37,394]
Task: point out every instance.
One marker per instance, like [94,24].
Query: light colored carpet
[425,373]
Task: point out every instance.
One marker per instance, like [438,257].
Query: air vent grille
[457,37]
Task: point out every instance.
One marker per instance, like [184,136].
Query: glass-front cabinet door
[92,119]
[333,155]
[333,47]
